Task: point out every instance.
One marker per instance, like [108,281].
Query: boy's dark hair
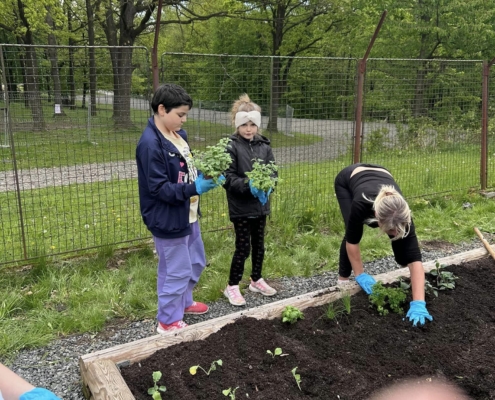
[170,96]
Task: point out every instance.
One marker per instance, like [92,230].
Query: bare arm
[354,254]
[417,280]
[12,385]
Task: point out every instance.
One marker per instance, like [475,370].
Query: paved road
[336,137]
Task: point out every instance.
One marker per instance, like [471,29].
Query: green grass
[68,140]
[54,298]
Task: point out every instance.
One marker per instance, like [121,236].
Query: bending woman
[368,195]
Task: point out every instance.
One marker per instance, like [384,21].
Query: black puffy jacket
[244,153]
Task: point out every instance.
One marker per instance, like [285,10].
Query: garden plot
[350,356]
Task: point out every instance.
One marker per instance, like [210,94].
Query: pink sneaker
[164,328]
[260,286]
[196,308]
[234,295]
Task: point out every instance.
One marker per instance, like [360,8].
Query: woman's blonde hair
[391,212]
[244,103]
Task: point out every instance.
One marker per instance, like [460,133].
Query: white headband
[243,117]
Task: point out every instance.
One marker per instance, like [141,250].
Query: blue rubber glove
[258,193]
[39,394]
[203,185]
[269,192]
[418,312]
[366,282]
[221,180]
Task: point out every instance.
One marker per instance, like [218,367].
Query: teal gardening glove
[258,193]
[204,185]
[418,312]
[366,282]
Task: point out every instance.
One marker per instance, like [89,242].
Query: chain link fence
[70,118]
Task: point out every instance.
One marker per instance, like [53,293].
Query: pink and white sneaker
[164,328]
[234,295]
[260,286]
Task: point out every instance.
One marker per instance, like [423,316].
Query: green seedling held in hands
[213,367]
[292,314]
[214,160]
[155,390]
[297,377]
[230,392]
[276,352]
[385,298]
[263,175]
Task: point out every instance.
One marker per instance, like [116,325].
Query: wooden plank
[135,351]
[104,381]
[485,242]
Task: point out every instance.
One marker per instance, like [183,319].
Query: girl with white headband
[248,206]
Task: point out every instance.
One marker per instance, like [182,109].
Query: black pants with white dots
[249,232]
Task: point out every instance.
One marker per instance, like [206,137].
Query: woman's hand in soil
[366,282]
[204,185]
[418,312]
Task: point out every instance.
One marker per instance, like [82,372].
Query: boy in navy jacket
[169,189]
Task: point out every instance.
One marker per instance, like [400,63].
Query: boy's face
[173,120]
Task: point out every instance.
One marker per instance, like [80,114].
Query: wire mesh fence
[70,118]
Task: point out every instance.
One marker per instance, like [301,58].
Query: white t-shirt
[184,149]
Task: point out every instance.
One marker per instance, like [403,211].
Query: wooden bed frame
[99,370]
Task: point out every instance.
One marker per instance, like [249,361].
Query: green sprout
[230,392]
[385,298]
[155,390]
[213,367]
[292,315]
[276,352]
[297,377]
[214,160]
[263,175]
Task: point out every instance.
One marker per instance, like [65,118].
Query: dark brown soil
[346,359]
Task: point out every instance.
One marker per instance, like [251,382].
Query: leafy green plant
[444,279]
[213,367]
[346,302]
[385,298]
[276,352]
[155,390]
[230,392]
[292,314]
[297,377]
[214,160]
[263,175]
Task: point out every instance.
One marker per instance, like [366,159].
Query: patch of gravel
[56,365]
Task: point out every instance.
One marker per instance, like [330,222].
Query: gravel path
[56,366]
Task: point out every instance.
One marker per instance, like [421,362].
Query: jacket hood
[256,138]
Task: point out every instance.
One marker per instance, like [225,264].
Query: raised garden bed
[350,359]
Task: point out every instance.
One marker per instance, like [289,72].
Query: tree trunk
[32,89]
[54,71]
[419,90]
[92,58]
[122,73]
[71,83]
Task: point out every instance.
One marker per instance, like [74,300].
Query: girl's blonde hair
[391,212]
[244,103]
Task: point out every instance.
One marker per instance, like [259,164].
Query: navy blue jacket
[163,195]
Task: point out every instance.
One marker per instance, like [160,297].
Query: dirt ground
[348,358]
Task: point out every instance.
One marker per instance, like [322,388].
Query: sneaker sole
[196,313]
[233,303]
[161,330]
[253,289]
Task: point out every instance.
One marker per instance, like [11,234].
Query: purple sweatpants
[180,264]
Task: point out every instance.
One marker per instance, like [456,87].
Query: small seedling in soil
[346,301]
[297,377]
[276,352]
[155,390]
[230,392]
[213,367]
[214,160]
[444,279]
[292,314]
[385,298]
[263,175]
